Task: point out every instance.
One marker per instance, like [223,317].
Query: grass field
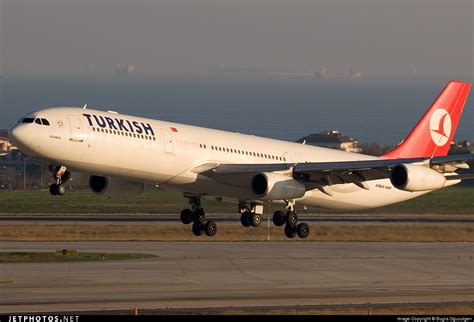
[172,232]
[453,200]
[51,257]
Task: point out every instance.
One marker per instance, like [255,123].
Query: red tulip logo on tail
[440,127]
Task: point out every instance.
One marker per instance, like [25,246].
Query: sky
[383,38]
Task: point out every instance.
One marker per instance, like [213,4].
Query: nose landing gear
[60,176]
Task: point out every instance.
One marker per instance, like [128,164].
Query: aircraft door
[167,140]
[75,123]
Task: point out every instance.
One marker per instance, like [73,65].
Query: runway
[235,218]
[232,274]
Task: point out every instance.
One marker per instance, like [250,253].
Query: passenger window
[45,122]
[38,121]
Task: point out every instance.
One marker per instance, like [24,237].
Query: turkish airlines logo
[440,127]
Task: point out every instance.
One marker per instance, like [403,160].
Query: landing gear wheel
[255,219]
[61,189]
[245,219]
[53,189]
[302,230]
[292,218]
[279,218]
[186,216]
[199,215]
[210,228]
[197,229]
[290,231]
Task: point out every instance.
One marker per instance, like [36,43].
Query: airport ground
[445,215]
[414,261]
[247,277]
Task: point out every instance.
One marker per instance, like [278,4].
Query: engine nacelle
[273,186]
[114,187]
[411,177]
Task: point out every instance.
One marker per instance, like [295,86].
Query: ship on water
[323,73]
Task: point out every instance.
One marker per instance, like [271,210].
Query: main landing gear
[197,216]
[252,217]
[60,176]
[289,218]
[251,214]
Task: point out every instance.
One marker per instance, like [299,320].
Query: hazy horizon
[380,38]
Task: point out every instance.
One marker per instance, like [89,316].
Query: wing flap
[330,173]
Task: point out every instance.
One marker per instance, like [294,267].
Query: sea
[371,110]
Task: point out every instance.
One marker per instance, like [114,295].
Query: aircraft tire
[279,218]
[53,189]
[302,230]
[290,231]
[197,229]
[210,228]
[186,216]
[255,219]
[292,218]
[199,215]
[244,219]
[61,189]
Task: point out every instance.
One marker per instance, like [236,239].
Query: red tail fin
[433,134]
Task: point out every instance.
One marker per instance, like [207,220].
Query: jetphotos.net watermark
[42,318]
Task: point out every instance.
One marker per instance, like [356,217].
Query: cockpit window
[28,120]
[45,122]
[38,121]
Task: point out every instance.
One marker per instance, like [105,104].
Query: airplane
[121,153]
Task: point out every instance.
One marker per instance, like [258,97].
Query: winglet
[433,134]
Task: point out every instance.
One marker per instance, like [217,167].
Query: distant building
[461,147]
[333,140]
[17,170]
[5,145]
[128,69]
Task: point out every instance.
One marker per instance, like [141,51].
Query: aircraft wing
[337,172]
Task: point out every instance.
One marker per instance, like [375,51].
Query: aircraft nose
[18,135]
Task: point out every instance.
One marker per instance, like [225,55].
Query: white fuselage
[165,153]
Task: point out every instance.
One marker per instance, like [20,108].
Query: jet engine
[114,187]
[274,186]
[411,177]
